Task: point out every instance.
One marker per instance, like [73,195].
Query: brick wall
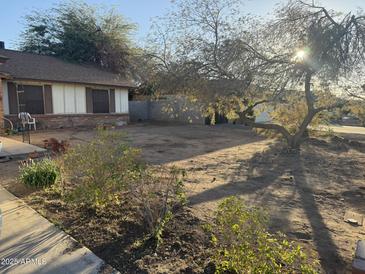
[55,121]
[1,108]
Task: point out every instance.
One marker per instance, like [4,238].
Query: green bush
[243,244]
[107,171]
[95,173]
[43,173]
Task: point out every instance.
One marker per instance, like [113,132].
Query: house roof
[29,66]
[3,59]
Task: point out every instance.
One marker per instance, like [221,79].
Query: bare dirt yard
[306,193]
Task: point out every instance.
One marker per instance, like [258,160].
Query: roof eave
[6,76]
[3,59]
[75,82]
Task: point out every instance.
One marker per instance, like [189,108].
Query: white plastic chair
[27,119]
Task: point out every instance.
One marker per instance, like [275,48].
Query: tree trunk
[294,140]
[297,138]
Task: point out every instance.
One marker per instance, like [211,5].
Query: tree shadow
[165,143]
[327,249]
[267,175]
[342,143]
[246,179]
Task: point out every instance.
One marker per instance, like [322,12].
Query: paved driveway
[348,129]
[31,244]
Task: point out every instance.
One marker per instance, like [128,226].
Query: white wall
[68,98]
[121,100]
[5,98]
[80,94]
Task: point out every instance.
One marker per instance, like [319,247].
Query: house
[60,94]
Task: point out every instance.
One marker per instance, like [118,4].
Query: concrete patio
[12,148]
[31,244]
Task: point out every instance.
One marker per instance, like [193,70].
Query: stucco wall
[139,110]
[173,109]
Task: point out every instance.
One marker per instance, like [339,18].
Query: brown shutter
[48,106]
[13,98]
[112,101]
[89,100]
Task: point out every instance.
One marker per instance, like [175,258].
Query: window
[30,99]
[100,101]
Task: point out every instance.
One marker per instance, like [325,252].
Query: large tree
[80,33]
[234,63]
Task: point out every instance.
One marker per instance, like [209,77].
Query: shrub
[39,174]
[107,170]
[95,173]
[157,191]
[243,245]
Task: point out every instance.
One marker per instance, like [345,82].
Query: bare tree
[235,63]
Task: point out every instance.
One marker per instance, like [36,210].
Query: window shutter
[13,98]
[89,100]
[112,101]
[48,106]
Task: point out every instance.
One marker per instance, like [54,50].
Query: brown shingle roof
[21,65]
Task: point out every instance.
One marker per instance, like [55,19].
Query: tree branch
[282,130]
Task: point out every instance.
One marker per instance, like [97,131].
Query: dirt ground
[306,194]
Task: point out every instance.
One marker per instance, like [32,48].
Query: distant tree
[81,33]
[234,63]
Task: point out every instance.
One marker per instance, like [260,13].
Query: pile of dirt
[118,237]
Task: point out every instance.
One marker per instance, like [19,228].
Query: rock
[210,268]
[176,246]
[189,270]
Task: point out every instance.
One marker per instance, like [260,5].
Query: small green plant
[243,244]
[157,233]
[9,131]
[157,191]
[42,173]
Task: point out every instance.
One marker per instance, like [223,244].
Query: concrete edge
[102,266]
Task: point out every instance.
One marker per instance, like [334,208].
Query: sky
[140,12]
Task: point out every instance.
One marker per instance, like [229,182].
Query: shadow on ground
[308,190]
[161,142]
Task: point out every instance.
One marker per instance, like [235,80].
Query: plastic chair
[27,119]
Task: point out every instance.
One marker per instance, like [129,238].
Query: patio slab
[31,244]
[13,148]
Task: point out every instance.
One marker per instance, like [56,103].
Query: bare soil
[306,194]
[116,236]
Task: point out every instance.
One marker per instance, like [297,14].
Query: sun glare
[300,55]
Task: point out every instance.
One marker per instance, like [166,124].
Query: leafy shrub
[243,245]
[96,172]
[107,170]
[39,174]
[156,192]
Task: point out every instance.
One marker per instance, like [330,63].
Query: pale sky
[140,12]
